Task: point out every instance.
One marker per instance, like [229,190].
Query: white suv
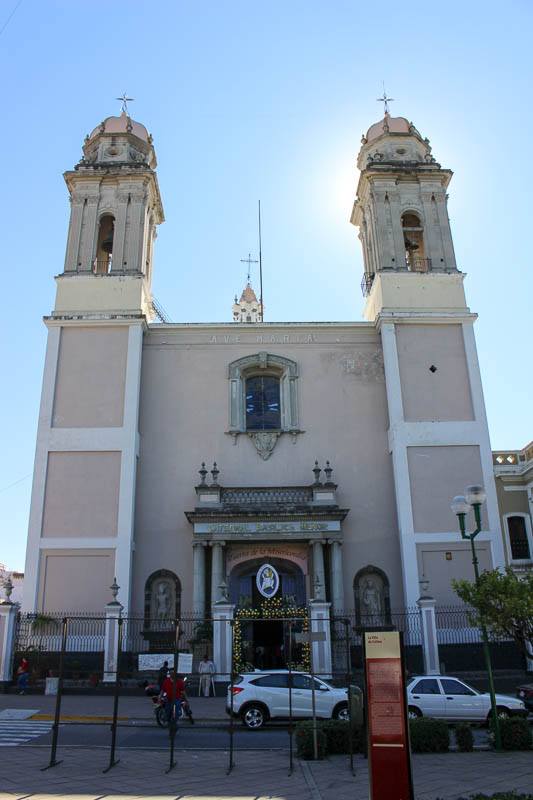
[259,696]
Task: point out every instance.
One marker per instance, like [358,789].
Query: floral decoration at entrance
[271,610]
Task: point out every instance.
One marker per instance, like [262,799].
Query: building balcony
[366,284]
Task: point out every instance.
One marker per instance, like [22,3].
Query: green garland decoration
[273,608]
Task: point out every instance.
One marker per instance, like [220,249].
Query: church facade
[250,459]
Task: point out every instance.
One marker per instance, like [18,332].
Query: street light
[474,497]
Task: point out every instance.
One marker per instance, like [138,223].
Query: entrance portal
[243,587]
[269,645]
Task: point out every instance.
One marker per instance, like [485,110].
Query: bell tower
[115,210]
[81,527]
[414,295]
[401,213]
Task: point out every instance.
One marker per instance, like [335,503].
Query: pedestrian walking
[23,673]
[206,669]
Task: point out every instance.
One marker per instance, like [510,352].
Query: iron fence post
[57,715]
[346,622]
[290,699]
[173,722]
[232,667]
[112,760]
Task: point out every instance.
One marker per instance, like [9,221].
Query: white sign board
[154,661]
[184,663]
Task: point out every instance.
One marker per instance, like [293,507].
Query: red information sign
[388,741]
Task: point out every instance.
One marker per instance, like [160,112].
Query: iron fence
[41,632]
[455,625]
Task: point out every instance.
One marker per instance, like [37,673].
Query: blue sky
[263,100]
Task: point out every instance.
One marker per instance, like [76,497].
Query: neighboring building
[131,408]
[17,579]
[513,470]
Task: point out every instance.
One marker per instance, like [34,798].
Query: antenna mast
[260,264]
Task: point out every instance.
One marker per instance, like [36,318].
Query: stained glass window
[262,403]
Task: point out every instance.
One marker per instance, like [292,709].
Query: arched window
[162,599]
[263,409]
[519,537]
[263,394]
[104,246]
[413,237]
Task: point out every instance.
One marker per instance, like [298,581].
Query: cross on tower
[385,100]
[249,261]
[125,100]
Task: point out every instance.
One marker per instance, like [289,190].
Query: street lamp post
[474,497]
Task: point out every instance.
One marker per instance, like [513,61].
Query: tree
[503,602]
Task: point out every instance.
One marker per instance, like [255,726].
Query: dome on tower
[388,125]
[248,295]
[122,124]
[118,141]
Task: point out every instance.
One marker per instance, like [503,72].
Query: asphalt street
[147,735]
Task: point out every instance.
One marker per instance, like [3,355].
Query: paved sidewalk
[93,706]
[256,776]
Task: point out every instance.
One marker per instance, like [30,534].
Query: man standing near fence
[206,669]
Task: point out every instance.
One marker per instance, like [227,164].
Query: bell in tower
[104,251]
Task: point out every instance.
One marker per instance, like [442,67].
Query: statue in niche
[372,600]
[163,602]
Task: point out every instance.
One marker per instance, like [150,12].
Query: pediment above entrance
[267,512]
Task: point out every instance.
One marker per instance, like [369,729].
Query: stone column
[113,611]
[217,569]
[198,569]
[335,577]
[222,639]
[318,589]
[428,626]
[8,616]
[74,232]
[320,635]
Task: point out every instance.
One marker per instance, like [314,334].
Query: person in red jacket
[170,684]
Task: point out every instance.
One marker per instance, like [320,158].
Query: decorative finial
[114,589]
[328,470]
[8,588]
[215,472]
[317,471]
[385,100]
[124,101]
[203,473]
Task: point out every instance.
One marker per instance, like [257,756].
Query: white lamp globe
[459,505]
[475,495]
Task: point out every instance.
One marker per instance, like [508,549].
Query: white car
[259,696]
[448,698]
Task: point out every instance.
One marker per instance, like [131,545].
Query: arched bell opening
[413,237]
[104,248]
